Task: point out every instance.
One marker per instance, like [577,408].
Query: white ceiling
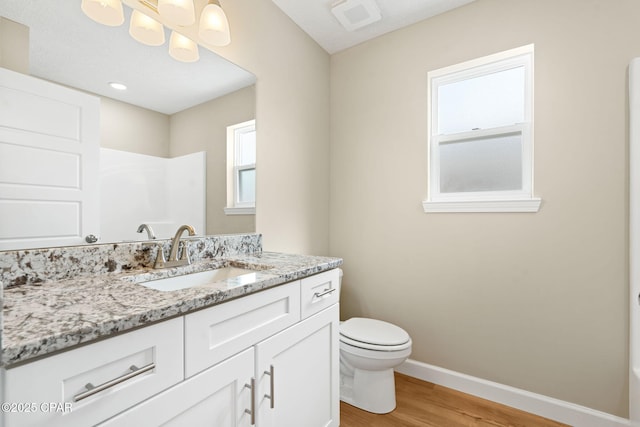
[69,48]
[316,19]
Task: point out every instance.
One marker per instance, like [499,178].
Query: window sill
[240,211]
[513,205]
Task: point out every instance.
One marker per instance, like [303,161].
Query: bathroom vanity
[258,348]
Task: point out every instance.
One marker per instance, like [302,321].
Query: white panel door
[49,156]
[297,371]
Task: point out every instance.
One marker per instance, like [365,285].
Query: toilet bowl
[369,351]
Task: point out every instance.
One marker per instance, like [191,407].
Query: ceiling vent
[355,14]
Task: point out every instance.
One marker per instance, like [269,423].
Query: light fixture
[146,30]
[107,12]
[183,48]
[177,12]
[214,26]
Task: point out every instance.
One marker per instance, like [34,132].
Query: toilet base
[372,391]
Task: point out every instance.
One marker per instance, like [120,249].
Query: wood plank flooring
[423,404]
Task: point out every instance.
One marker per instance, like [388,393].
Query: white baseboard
[544,406]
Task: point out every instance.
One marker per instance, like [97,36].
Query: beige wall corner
[292,119]
[535,301]
[204,128]
[139,130]
[14,46]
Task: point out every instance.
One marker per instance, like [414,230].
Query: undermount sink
[243,275]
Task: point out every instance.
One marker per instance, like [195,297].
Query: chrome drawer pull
[252,411]
[271,396]
[325,292]
[91,389]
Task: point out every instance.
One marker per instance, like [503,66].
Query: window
[481,135]
[241,169]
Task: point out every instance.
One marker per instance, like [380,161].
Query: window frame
[521,200]
[234,206]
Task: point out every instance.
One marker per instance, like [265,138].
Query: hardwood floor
[421,404]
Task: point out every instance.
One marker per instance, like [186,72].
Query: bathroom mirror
[67,47]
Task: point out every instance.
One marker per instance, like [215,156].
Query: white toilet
[369,350]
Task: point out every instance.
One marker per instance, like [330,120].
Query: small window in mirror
[241,168]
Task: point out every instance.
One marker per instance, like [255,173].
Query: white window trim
[240,211]
[507,205]
[486,201]
[233,206]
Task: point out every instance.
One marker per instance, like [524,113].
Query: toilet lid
[373,331]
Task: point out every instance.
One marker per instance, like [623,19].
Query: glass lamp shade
[214,26]
[183,48]
[107,12]
[177,12]
[146,30]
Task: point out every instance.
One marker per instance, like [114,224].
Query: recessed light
[118,86]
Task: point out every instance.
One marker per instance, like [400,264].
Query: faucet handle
[185,252]
[160,259]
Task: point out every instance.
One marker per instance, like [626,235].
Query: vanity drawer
[319,292]
[55,387]
[216,333]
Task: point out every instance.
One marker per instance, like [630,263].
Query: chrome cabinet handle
[91,238]
[252,411]
[271,395]
[325,292]
[91,389]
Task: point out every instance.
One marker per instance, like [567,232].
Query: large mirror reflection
[167,150]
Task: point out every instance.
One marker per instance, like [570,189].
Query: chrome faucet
[173,260]
[147,227]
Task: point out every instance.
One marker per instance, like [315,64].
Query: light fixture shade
[107,12]
[214,26]
[145,29]
[177,12]
[183,48]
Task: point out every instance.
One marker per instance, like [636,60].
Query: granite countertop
[43,318]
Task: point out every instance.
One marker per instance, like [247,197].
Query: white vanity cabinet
[298,372]
[270,358]
[216,333]
[221,396]
[263,359]
[299,368]
[122,371]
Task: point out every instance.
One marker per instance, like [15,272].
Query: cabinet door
[298,374]
[216,397]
